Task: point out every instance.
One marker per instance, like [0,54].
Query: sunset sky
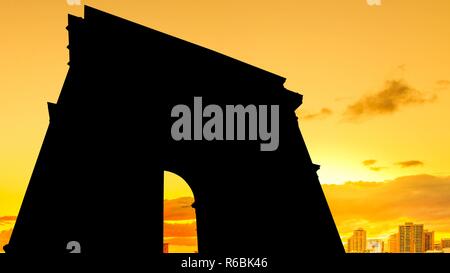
[375,80]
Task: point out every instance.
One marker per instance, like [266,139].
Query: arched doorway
[180,227]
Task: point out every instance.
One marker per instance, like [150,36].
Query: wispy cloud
[369,162]
[410,163]
[395,95]
[377,169]
[443,83]
[323,113]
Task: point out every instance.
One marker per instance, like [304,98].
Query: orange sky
[375,80]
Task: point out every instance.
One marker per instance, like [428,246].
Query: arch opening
[180,224]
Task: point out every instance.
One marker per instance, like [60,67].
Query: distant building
[411,238]
[406,238]
[419,239]
[437,246]
[375,246]
[393,244]
[445,243]
[429,240]
[165,248]
[357,242]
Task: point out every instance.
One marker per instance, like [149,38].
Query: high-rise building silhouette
[393,243]
[411,238]
[429,240]
[357,242]
[406,238]
[419,239]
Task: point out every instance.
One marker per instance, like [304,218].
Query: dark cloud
[369,162]
[410,163]
[395,95]
[179,209]
[324,112]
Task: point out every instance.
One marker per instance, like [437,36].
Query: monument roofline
[98,17]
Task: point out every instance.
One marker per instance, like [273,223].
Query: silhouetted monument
[98,179]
